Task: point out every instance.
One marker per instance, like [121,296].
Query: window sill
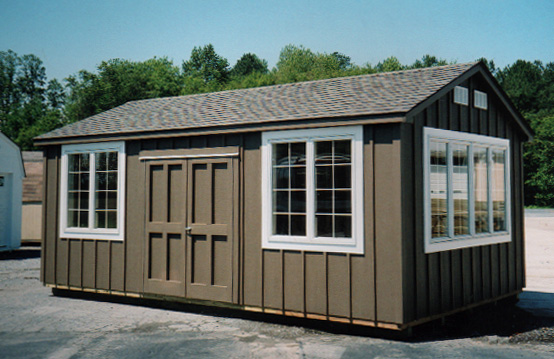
[333,245]
[467,242]
[92,235]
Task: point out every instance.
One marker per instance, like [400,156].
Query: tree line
[30,105]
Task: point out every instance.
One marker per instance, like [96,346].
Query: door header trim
[175,157]
[184,153]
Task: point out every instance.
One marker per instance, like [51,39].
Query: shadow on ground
[503,319]
[21,253]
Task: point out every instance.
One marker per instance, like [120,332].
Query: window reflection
[480,189]
[498,190]
[460,184]
[439,193]
[333,200]
[289,188]
[78,190]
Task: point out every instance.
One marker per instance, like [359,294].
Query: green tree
[522,81]
[205,64]
[117,82]
[428,61]
[530,85]
[389,64]
[344,62]
[247,64]
[297,63]
[29,105]
[539,166]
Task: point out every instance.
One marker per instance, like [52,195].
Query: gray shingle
[383,93]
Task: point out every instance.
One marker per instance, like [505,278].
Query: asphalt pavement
[36,324]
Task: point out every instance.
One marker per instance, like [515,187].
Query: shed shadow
[21,253]
[503,319]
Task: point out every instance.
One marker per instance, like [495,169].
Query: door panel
[191,208]
[210,219]
[165,228]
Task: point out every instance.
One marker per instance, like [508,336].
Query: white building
[11,177]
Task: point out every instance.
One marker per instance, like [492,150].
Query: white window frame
[310,242]
[472,239]
[90,232]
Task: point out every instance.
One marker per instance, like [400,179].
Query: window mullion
[92,190]
[489,190]
[471,194]
[310,190]
[450,190]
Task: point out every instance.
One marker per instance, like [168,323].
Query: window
[467,190]
[480,100]
[312,190]
[461,95]
[92,191]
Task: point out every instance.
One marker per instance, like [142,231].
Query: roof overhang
[219,130]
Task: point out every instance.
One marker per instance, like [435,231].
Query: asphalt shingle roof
[382,93]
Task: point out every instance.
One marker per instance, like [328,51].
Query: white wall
[11,167]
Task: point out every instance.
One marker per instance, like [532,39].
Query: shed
[383,200]
[32,197]
[11,175]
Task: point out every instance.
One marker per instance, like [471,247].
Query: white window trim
[309,242]
[93,233]
[456,242]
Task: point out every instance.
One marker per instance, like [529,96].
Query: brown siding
[337,285]
[135,217]
[388,224]
[50,210]
[318,283]
[452,279]
[251,201]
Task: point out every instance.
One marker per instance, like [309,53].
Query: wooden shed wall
[366,287]
[107,265]
[350,286]
[445,281]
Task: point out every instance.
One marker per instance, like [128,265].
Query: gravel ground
[36,324]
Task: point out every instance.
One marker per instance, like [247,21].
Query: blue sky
[73,35]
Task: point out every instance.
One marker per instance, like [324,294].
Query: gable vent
[461,95]
[480,100]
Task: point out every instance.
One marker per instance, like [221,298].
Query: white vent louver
[481,100]
[461,95]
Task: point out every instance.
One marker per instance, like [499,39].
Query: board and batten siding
[302,283]
[354,287]
[106,265]
[445,281]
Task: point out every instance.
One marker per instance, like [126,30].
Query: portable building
[11,175]
[31,217]
[383,200]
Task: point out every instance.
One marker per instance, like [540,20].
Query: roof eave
[393,117]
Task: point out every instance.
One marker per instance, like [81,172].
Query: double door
[191,209]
